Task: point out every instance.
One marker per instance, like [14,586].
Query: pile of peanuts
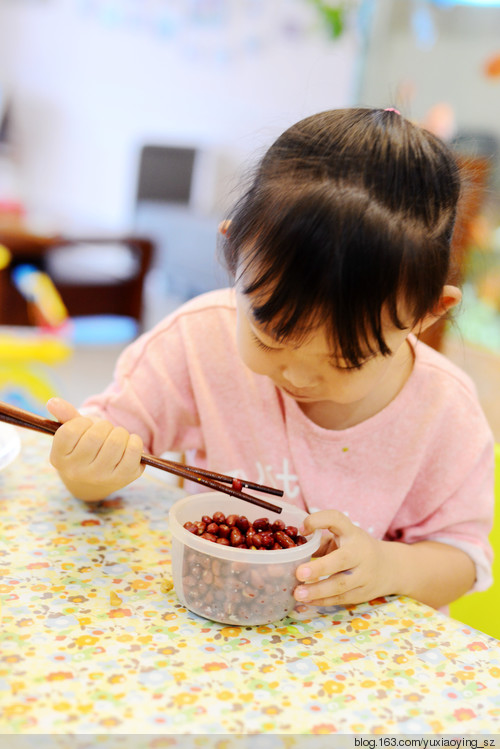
[238,592]
[237,531]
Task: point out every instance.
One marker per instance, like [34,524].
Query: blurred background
[126,129]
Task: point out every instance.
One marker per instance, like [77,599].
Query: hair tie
[391,109]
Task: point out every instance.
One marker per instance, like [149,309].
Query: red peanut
[209,537]
[236,537]
[266,539]
[243,523]
[237,531]
[256,540]
[284,540]
[261,524]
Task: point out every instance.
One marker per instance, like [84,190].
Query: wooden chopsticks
[217,481]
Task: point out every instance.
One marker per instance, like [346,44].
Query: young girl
[309,374]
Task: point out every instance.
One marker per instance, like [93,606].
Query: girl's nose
[300,377]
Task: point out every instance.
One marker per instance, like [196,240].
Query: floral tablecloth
[93,641]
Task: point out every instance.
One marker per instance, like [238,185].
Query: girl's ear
[450,297]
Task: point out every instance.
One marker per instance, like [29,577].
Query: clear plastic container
[230,585]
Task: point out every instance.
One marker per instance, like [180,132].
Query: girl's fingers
[111,451]
[61,409]
[334,585]
[327,545]
[120,456]
[350,597]
[329,564]
[333,520]
[97,449]
[91,443]
[67,437]
[130,463]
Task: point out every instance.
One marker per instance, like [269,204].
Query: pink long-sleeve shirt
[421,468]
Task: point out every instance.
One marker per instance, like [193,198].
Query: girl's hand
[93,457]
[355,565]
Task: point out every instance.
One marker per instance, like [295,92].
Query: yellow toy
[25,369]
[39,291]
[21,349]
[26,358]
[482,610]
[5,257]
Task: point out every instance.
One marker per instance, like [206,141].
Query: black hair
[350,212]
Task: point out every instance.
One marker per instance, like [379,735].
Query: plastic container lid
[205,503]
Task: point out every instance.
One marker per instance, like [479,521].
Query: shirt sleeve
[452,499]
[151,393]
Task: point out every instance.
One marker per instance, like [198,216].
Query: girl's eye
[344,367]
[262,345]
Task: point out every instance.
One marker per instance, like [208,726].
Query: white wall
[449,70]
[87,95]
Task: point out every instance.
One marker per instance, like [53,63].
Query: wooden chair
[120,297]
[475,173]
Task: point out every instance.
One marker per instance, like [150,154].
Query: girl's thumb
[61,409]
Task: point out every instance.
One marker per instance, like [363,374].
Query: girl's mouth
[300,396]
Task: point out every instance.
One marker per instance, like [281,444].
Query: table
[93,641]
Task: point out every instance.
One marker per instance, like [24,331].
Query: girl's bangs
[327,252]
[295,292]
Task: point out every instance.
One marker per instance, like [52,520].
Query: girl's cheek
[258,363]
[253,359]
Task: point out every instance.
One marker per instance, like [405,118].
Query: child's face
[309,373]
